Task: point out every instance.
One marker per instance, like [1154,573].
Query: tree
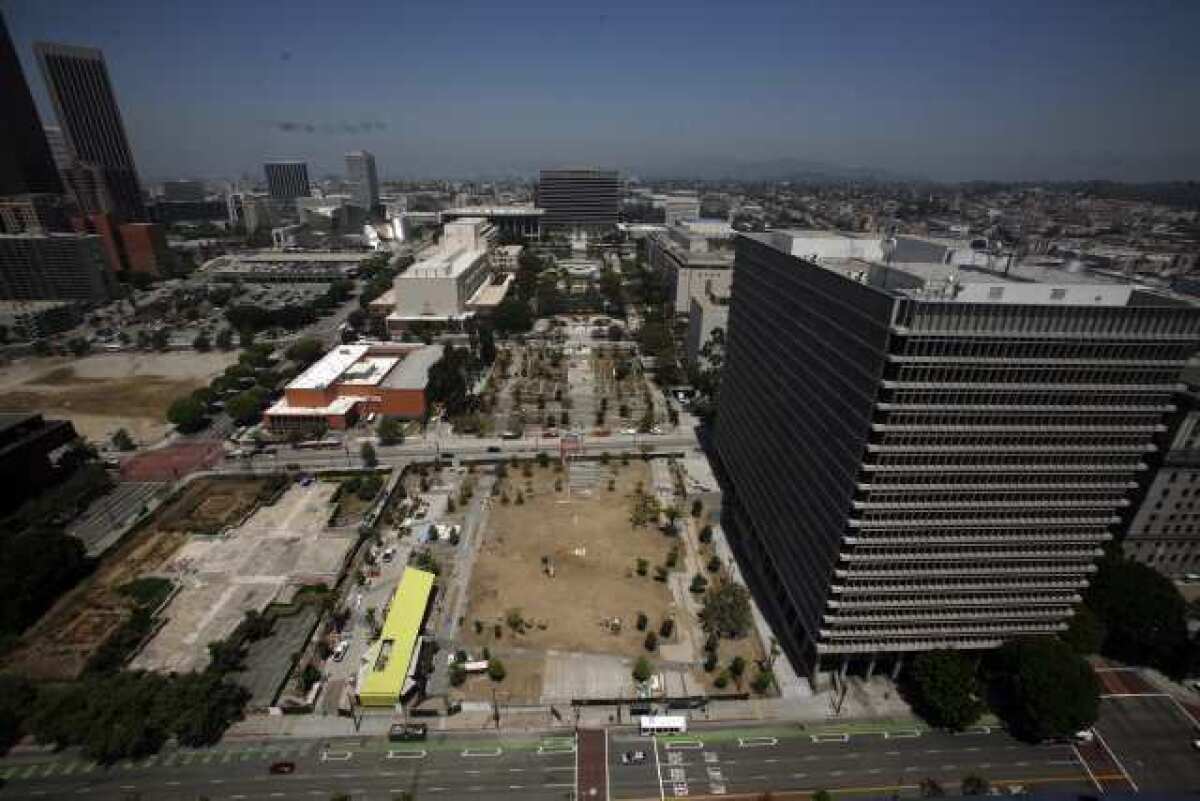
[762,681]
[737,667]
[160,339]
[495,670]
[975,785]
[943,689]
[390,431]
[513,317]
[642,670]
[246,407]
[78,346]
[305,351]
[1085,632]
[487,346]
[246,337]
[202,343]
[122,441]
[368,455]
[187,414]
[224,340]
[699,584]
[458,675]
[651,642]
[1042,688]
[726,610]
[1142,615]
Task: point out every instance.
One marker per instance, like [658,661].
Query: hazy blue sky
[948,90]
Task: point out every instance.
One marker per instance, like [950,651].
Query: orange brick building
[352,381]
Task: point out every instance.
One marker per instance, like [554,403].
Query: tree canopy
[513,317]
[1142,613]
[726,610]
[944,690]
[187,414]
[1042,688]
[306,351]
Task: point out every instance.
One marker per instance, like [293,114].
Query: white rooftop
[338,406]
[326,370]
[444,264]
[496,211]
[368,371]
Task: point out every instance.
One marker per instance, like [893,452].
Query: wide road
[457,447]
[476,767]
[727,761]
[708,761]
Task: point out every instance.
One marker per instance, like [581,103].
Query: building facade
[364,180]
[27,443]
[510,222]
[54,267]
[579,200]
[694,262]
[1164,530]
[86,107]
[183,191]
[926,456]
[26,163]
[352,381]
[287,180]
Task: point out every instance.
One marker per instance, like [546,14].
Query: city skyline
[931,91]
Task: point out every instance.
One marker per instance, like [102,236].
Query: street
[710,760]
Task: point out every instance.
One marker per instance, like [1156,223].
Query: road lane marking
[336,756]
[516,770]
[174,784]
[479,752]
[662,791]
[406,754]
[757,742]
[831,738]
[472,772]
[682,745]
[904,734]
[1116,761]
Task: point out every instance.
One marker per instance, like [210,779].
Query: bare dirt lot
[593,548]
[106,391]
[59,645]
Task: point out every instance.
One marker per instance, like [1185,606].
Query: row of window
[1100,321]
[1016,396]
[1024,374]
[1046,349]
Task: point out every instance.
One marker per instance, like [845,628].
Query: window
[995,292]
[1057,294]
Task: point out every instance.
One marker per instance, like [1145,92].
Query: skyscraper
[579,199]
[928,454]
[364,181]
[87,111]
[26,164]
[287,180]
[58,147]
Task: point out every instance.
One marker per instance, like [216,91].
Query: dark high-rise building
[26,164]
[287,180]
[932,454]
[87,111]
[364,181]
[183,191]
[579,199]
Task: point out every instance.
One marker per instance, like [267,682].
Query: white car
[628,430]
[339,653]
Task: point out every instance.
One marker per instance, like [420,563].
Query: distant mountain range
[779,169]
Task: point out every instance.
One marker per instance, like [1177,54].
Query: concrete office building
[706,313]
[450,285]
[579,200]
[287,180]
[509,221]
[1164,531]
[678,208]
[87,111]
[930,455]
[28,447]
[364,180]
[35,214]
[59,150]
[54,267]
[26,164]
[694,259]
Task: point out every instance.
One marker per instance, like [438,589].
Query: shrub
[721,680]
[666,629]
[495,670]
[710,661]
[458,674]
[641,669]
[706,534]
[737,666]
[651,641]
[643,566]
[762,681]
[699,584]
[642,621]
[697,508]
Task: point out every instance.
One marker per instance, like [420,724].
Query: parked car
[339,653]
[633,757]
[283,767]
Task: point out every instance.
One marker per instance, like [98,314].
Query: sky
[982,89]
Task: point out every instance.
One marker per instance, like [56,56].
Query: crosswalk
[168,759]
